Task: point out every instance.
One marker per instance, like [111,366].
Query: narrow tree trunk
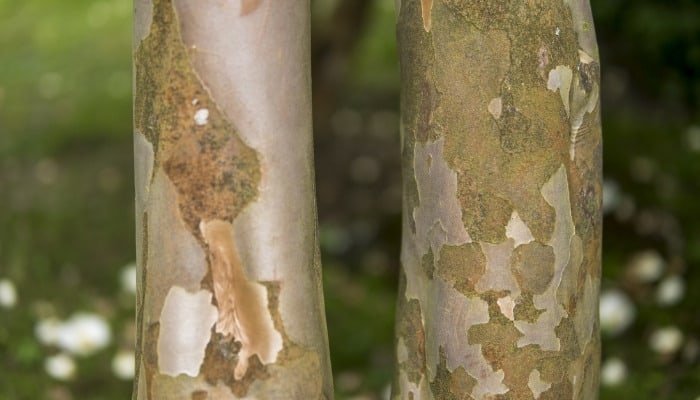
[502,192]
[229,296]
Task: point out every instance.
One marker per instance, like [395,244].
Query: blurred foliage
[66,193]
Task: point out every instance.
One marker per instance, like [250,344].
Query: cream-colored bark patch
[498,275]
[518,231]
[426,12]
[541,332]
[560,79]
[242,304]
[450,315]
[584,100]
[536,384]
[587,312]
[438,218]
[495,107]
[507,307]
[185,325]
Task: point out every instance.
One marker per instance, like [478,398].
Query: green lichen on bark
[511,90]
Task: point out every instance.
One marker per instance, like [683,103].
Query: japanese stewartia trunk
[229,295]
[502,195]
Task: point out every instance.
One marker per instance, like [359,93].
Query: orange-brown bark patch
[249,6]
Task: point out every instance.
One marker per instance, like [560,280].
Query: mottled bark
[502,193]
[229,295]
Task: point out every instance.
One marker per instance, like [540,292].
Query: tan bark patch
[525,309]
[427,9]
[242,305]
[200,395]
[462,266]
[249,6]
[533,266]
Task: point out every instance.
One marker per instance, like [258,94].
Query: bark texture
[229,295]
[502,168]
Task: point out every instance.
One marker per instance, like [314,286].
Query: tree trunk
[502,193]
[229,296]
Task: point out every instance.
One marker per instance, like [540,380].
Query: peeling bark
[501,244]
[229,300]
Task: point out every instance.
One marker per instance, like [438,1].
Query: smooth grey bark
[230,303]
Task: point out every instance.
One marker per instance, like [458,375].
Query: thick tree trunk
[229,296]
[502,193]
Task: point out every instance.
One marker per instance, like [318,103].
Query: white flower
[647,266]
[8,294]
[666,340]
[60,366]
[47,331]
[670,291]
[124,364]
[128,278]
[616,312]
[613,372]
[83,334]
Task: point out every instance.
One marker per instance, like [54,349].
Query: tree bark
[229,297]
[501,245]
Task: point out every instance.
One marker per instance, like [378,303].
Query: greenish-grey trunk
[229,301]
[501,238]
